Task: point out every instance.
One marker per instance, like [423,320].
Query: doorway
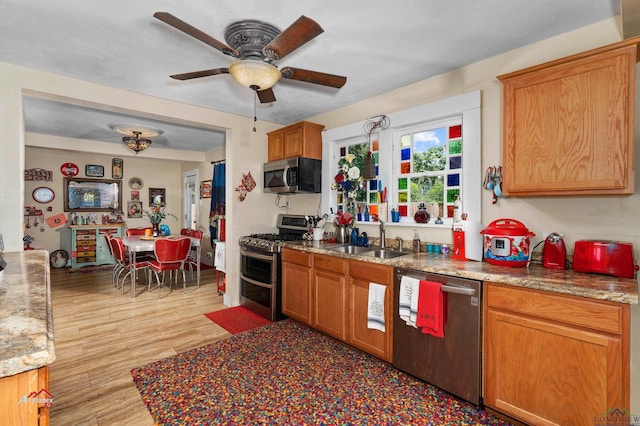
[191,199]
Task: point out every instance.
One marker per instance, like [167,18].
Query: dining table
[142,243]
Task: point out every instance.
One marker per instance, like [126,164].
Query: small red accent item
[69,169]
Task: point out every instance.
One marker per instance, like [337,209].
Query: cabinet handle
[458,290]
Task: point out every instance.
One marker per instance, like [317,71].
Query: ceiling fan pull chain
[255,101]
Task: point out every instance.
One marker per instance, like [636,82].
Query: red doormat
[238,319]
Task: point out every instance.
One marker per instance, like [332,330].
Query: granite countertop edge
[32,346]
[592,286]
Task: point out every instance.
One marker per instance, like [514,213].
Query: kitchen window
[452,178]
[367,194]
[427,168]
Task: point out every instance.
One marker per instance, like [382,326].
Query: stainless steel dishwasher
[452,363]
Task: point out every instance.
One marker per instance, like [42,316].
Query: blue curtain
[218,207]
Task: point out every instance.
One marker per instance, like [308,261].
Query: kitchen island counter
[26,318]
[601,287]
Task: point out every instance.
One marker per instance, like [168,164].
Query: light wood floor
[100,335]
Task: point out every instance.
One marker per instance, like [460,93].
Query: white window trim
[466,105]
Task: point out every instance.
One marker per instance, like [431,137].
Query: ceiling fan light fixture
[257,75]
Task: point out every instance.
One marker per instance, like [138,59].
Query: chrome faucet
[400,242]
[382,232]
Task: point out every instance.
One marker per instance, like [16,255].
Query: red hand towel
[431,308]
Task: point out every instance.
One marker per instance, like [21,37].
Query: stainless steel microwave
[291,175]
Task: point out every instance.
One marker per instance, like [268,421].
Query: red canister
[507,242]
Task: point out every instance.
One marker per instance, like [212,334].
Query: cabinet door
[275,146]
[569,125]
[372,341]
[296,291]
[293,144]
[543,373]
[330,296]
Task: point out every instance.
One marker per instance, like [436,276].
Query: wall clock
[43,194]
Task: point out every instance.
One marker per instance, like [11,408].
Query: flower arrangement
[348,180]
[157,212]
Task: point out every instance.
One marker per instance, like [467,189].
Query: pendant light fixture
[136,138]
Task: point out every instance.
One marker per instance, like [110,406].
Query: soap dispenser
[416,241]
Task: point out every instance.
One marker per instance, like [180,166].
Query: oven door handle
[254,282]
[254,255]
[458,290]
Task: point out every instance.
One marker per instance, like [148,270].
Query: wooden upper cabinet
[303,139]
[569,124]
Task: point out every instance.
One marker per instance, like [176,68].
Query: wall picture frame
[157,196]
[94,170]
[134,209]
[117,168]
[95,195]
[205,189]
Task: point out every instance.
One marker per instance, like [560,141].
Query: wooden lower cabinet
[554,359]
[330,275]
[331,294]
[15,406]
[296,284]
[372,341]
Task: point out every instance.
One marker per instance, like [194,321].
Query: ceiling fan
[257,45]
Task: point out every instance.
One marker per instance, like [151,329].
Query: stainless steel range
[260,266]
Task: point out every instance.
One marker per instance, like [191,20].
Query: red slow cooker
[507,243]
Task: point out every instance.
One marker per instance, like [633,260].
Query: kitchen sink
[351,249]
[385,253]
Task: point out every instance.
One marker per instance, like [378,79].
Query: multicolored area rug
[91,269]
[237,319]
[288,373]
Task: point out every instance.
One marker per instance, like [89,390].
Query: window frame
[467,106]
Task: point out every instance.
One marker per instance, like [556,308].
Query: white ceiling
[378,45]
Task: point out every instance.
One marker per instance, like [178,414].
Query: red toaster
[604,257]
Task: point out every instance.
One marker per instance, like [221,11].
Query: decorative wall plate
[135,183]
[69,169]
[59,259]
[43,194]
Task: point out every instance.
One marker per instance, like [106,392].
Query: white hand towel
[375,314]
[219,257]
[408,307]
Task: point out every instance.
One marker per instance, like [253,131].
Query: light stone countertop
[26,317]
[594,286]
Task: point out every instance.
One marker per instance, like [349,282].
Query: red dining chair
[117,266]
[117,247]
[136,231]
[170,255]
[143,255]
[192,259]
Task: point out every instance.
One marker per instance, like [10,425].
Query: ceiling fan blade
[314,77]
[179,24]
[266,96]
[198,74]
[297,34]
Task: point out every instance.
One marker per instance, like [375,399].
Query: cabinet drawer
[91,253]
[86,237]
[112,231]
[371,272]
[329,263]
[86,243]
[297,257]
[91,248]
[602,316]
